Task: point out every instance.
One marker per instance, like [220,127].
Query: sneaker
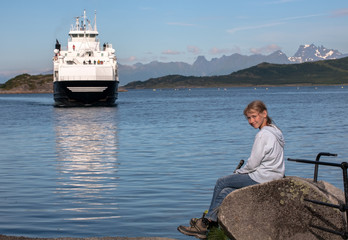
[200,221]
[194,220]
[198,230]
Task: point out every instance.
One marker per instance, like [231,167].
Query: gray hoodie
[266,161]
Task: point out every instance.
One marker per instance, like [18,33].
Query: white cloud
[219,51]
[340,12]
[266,49]
[271,24]
[171,52]
[281,1]
[302,17]
[193,49]
[130,59]
[234,30]
[181,24]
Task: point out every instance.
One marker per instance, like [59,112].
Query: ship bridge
[83,36]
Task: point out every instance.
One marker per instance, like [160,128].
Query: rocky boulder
[277,210]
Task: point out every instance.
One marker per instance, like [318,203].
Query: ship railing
[94,40]
[87,78]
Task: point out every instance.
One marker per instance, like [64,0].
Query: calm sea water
[149,164]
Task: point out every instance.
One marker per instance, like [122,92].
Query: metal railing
[342,207]
[87,78]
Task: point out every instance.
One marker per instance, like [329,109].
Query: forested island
[26,83]
[327,72]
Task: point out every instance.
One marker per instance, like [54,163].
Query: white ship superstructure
[84,73]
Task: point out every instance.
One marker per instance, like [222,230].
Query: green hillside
[26,83]
[329,72]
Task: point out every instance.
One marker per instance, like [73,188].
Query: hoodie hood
[276,132]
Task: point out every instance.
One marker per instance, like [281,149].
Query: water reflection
[87,164]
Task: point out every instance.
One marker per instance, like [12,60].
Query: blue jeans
[223,187]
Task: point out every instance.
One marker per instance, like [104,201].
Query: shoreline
[4,237]
[39,92]
[122,89]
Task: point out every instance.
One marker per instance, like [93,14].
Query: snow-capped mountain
[310,53]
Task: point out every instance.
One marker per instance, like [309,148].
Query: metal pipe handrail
[315,162]
[317,165]
[341,207]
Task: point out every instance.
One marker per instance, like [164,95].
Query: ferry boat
[83,73]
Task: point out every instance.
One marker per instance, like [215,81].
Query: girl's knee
[219,181]
[222,182]
[227,191]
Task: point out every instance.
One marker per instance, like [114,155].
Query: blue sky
[169,30]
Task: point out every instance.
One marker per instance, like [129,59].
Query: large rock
[277,210]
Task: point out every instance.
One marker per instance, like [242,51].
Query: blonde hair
[258,106]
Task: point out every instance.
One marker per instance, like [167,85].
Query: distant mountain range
[328,72]
[223,65]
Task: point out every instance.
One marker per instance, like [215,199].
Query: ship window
[80,35]
[74,35]
[92,35]
[102,54]
[87,35]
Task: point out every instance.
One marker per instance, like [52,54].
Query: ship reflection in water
[87,166]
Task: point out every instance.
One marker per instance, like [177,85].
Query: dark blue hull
[85,93]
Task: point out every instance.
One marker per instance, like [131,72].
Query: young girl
[266,163]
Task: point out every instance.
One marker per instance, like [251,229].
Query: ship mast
[84,20]
[77,24]
[95,20]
